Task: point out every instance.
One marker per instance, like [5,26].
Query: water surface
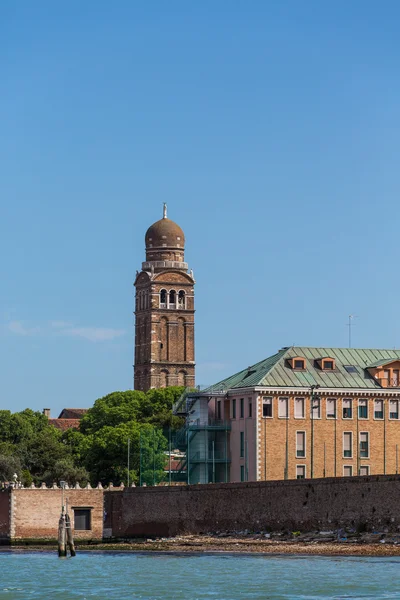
[25,575]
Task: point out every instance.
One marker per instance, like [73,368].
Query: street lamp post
[313,396]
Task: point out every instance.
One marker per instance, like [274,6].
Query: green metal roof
[380,363]
[276,372]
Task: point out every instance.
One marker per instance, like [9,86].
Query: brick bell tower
[164,311]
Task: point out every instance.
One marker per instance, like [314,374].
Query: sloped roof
[72,413]
[64,424]
[276,372]
[381,363]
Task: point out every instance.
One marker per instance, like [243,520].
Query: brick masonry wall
[302,505]
[384,441]
[36,512]
[4,514]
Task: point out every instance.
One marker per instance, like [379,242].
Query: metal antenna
[349,325]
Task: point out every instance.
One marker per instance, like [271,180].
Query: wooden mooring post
[70,537]
[65,536]
[62,548]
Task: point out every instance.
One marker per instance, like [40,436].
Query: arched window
[182,378]
[181,299]
[172,299]
[163,299]
[164,378]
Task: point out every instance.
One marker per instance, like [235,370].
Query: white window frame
[326,408]
[348,467]
[286,416]
[359,444]
[351,443]
[397,402]
[312,416]
[383,409]
[305,443]
[303,404]
[365,467]
[358,409]
[351,408]
[305,471]
[264,401]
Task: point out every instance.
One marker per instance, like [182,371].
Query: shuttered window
[378,409]
[300,444]
[347,444]
[331,408]
[363,409]
[283,408]
[393,409]
[347,409]
[364,444]
[299,408]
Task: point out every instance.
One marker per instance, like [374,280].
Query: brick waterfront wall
[302,505]
[4,514]
[36,512]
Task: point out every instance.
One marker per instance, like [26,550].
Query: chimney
[46,412]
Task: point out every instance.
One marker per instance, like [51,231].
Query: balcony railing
[164,264]
[202,456]
[210,424]
[389,382]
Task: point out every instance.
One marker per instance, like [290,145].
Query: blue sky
[270,128]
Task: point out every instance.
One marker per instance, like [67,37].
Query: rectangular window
[316,407]
[386,377]
[395,377]
[300,471]
[331,408]
[234,408]
[347,409]
[241,472]
[299,408]
[283,408]
[364,470]
[242,444]
[218,410]
[267,407]
[299,364]
[300,444]
[82,520]
[347,444]
[363,409]
[328,365]
[250,408]
[364,444]
[378,409]
[347,471]
[242,408]
[393,409]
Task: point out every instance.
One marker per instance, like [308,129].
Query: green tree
[107,457]
[112,410]
[9,465]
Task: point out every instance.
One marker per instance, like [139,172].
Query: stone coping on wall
[328,481]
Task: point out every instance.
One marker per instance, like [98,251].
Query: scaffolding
[203,440]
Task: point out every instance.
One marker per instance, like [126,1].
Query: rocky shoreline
[317,543]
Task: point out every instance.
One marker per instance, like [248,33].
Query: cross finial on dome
[165,211]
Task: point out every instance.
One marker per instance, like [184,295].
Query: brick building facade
[33,514]
[302,413]
[164,311]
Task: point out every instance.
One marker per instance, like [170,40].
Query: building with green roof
[301,413]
